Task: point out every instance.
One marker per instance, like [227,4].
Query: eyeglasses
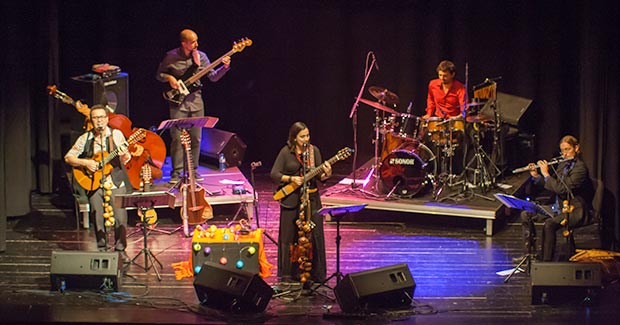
[99,117]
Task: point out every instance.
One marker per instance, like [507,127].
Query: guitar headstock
[138,135]
[53,91]
[186,141]
[241,44]
[344,153]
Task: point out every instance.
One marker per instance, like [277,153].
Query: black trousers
[549,236]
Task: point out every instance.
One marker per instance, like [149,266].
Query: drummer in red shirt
[446,95]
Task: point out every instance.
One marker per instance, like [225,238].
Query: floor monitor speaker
[85,270]
[564,282]
[216,141]
[231,290]
[384,288]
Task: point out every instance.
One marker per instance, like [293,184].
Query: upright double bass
[150,150]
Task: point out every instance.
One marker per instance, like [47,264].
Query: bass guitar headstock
[241,44]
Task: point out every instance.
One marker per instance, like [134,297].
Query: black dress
[288,163]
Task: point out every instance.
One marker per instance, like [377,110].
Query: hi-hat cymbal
[383,94]
[378,106]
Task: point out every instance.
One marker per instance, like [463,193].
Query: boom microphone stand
[353,115]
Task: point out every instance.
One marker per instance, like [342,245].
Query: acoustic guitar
[188,82]
[198,209]
[151,150]
[91,181]
[289,188]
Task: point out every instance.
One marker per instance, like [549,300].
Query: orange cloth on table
[184,269]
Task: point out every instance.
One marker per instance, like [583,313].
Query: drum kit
[416,153]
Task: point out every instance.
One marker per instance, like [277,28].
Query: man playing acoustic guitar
[87,153]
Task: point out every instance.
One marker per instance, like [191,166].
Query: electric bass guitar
[289,188]
[91,181]
[190,85]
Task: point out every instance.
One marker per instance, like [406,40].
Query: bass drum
[408,169]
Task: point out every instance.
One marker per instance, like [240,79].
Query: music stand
[337,213]
[185,124]
[520,204]
[145,201]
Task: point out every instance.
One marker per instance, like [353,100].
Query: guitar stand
[337,213]
[148,255]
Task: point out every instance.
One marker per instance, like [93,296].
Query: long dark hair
[292,133]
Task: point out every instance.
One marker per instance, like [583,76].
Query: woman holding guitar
[301,243]
[102,141]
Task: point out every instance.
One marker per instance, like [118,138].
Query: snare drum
[409,126]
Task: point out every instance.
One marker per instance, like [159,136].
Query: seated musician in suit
[569,184]
[100,139]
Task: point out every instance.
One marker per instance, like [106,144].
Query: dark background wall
[307,63]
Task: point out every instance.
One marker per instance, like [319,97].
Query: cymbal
[478,119]
[383,94]
[378,106]
[476,104]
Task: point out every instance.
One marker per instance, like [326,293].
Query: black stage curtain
[307,63]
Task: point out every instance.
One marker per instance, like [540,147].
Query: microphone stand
[567,209]
[353,116]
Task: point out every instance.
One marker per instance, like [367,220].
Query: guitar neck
[313,173]
[206,70]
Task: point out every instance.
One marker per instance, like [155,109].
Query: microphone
[375,59]
[409,108]
[100,128]
[256,164]
[498,78]
[305,145]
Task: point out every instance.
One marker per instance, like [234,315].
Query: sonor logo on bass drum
[402,161]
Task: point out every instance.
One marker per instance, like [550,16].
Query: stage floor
[454,201]
[454,265]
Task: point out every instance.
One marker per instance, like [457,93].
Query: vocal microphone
[409,108]
[256,164]
[553,161]
[375,59]
[100,128]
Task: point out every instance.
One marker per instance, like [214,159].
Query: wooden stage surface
[453,261]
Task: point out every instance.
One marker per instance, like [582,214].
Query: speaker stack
[231,290]
[384,288]
[216,141]
[112,91]
[85,270]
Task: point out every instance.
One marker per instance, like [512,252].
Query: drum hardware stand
[389,195]
[448,151]
[486,179]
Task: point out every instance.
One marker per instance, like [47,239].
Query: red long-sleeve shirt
[439,103]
